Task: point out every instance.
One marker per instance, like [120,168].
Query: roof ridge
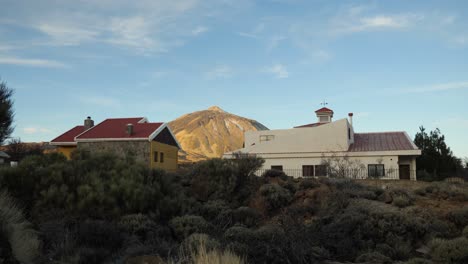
[380,132]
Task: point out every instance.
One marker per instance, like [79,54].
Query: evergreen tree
[436,157]
[6,112]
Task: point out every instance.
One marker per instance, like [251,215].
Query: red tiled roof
[324,109]
[117,128]
[69,136]
[311,125]
[387,141]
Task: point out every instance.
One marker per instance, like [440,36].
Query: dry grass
[202,255]
[22,238]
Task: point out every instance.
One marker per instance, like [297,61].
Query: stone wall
[139,149]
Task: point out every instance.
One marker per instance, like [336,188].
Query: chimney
[351,118]
[129,129]
[88,123]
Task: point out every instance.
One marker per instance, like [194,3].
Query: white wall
[325,138]
[294,165]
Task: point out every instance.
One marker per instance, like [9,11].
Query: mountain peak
[216,108]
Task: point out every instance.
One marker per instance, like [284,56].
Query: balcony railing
[388,174]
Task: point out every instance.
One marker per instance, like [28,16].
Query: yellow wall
[66,150]
[170,156]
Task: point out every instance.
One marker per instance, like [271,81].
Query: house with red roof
[329,147]
[150,143]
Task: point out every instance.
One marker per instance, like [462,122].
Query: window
[324,119]
[277,167]
[376,170]
[314,170]
[349,133]
[161,158]
[155,156]
[307,170]
[266,138]
[320,170]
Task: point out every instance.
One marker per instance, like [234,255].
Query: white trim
[157,131]
[411,141]
[109,139]
[161,128]
[331,153]
[143,120]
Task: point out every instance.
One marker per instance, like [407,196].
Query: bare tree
[343,167]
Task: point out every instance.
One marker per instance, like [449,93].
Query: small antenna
[324,103]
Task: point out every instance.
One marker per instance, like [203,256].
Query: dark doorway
[404,172]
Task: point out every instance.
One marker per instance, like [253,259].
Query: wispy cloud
[219,72]
[199,30]
[133,32]
[273,42]
[32,62]
[67,35]
[279,70]
[102,101]
[145,26]
[437,87]
[354,21]
[36,130]
[255,32]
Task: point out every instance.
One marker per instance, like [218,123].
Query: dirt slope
[210,133]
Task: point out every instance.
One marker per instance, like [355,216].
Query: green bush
[183,226]
[230,180]
[465,231]
[418,261]
[401,201]
[445,190]
[211,209]
[275,174]
[240,234]
[275,196]
[459,216]
[374,257]
[449,251]
[308,184]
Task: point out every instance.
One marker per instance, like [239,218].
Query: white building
[331,147]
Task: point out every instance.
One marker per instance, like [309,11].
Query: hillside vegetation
[103,209]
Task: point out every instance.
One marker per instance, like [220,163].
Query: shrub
[418,261]
[240,234]
[446,191]
[186,225]
[139,225]
[229,180]
[275,196]
[401,201]
[308,184]
[449,251]
[275,174]
[241,216]
[465,231]
[459,216]
[373,257]
[211,209]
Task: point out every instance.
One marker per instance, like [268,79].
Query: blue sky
[395,64]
